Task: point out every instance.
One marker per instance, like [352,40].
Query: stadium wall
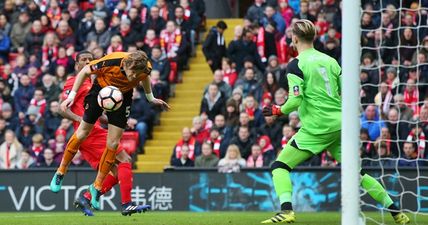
[315,189]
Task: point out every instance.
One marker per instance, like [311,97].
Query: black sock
[393,209]
[286,206]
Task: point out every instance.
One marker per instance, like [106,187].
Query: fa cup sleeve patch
[296,90]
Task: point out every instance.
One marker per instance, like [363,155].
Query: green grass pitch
[179,218]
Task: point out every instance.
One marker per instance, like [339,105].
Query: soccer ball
[110,98]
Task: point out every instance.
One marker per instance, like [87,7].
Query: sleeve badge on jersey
[296,90]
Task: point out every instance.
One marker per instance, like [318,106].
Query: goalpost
[408,188]
[350,112]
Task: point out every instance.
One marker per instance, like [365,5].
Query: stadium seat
[129,141]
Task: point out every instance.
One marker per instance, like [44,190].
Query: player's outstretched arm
[149,94]
[80,78]
[68,114]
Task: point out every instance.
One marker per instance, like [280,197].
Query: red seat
[129,141]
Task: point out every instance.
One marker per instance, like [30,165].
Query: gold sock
[69,152]
[106,162]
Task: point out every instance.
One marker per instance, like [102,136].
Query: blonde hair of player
[303,34]
[138,61]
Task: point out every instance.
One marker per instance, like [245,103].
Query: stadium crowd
[39,39]
[250,73]
[38,43]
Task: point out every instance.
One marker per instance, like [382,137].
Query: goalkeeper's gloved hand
[272,110]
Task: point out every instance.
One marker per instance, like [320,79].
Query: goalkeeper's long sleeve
[295,95]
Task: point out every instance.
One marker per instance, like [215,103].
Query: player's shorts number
[127,111]
[324,75]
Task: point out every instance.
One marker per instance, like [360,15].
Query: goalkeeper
[314,82]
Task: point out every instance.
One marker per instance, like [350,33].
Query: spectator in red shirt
[267,148]
[170,40]
[175,47]
[229,73]
[287,133]
[321,24]
[39,101]
[129,36]
[62,59]
[286,11]
[190,141]
[411,96]
[36,149]
[266,100]
[285,49]
[150,41]
[254,113]
[46,24]
[198,130]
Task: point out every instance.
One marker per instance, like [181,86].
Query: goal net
[394,104]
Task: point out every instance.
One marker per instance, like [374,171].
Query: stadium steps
[185,105]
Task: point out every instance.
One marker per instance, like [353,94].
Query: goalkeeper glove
[272,110]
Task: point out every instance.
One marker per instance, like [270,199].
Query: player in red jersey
[92,148]
[124,70]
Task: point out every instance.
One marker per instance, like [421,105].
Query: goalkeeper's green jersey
[314,89]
